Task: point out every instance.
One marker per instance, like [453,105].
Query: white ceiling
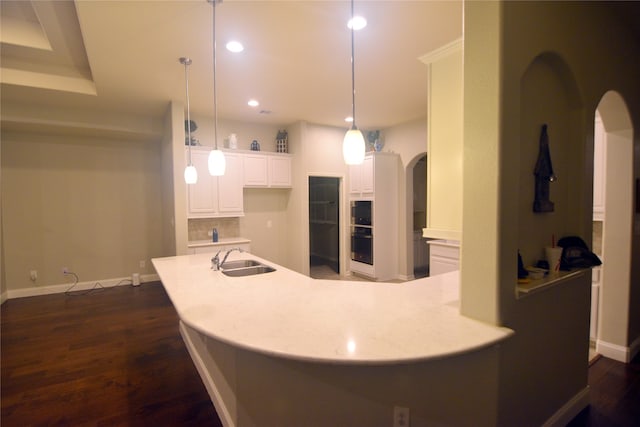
[122,56]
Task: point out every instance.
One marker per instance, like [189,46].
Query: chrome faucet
[215,261]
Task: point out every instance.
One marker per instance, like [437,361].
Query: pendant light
[353,144]
[190,172]
[216,161]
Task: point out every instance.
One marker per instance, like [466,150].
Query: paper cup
[553,258]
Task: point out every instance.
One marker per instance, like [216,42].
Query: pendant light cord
[353,73]
[187,62]
[215,93]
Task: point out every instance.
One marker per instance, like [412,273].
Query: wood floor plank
[113,357]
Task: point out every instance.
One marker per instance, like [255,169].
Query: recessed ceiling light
[235,46]
[253,103]
[348,119]
[357,22]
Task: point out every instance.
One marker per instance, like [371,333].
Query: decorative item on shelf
[544,175]
[233,141]
[353,144]
[190,126]
[190,172]
[214,235]
[375,140]
[282,142]
[216,162]
[255,145]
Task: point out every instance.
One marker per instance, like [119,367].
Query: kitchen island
[281,348]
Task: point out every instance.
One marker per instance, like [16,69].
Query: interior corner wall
[174,125]
[167,177]
[297,259]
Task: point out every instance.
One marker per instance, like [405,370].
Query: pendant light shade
[190,172]
[353,146]
[216,161]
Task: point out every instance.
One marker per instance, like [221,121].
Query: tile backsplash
[200,228]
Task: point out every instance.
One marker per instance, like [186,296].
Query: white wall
[409,140]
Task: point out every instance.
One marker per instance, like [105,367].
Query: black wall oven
[362,244]
[361,212]
[362,231]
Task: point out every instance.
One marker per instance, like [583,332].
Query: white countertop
[293,316]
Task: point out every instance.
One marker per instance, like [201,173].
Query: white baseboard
[80,286]
[614,351]
[569,410]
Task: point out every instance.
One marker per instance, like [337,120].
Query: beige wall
[525,63]
[265,222]
[91,205]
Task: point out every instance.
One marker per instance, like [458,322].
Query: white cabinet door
[362,177]
[203,195]
[443,257]
[230,197]
[213,196]
[279,171]
[265,170]
[255,170]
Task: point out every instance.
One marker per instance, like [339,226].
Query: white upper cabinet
[362,177]
[212,196]
[279,171]
[255,170]
[230,197]
[444,142]
[263,170]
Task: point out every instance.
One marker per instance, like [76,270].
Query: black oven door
[361,212]
[362,245]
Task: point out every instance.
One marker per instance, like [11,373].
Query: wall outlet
[142,263]
[400,416]
[34,275]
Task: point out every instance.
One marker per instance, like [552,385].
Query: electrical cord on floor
[97,287]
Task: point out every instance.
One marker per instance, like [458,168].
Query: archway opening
[613,216]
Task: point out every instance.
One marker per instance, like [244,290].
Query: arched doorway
[417,250]
[613,228]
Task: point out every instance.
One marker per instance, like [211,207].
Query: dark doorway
[324,226]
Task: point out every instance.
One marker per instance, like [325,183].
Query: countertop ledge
[289,315]
[220,242]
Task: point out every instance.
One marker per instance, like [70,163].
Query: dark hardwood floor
[112,357]
[614,395]
[115,358]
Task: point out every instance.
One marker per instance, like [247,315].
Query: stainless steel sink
[240,263]
[247,271]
